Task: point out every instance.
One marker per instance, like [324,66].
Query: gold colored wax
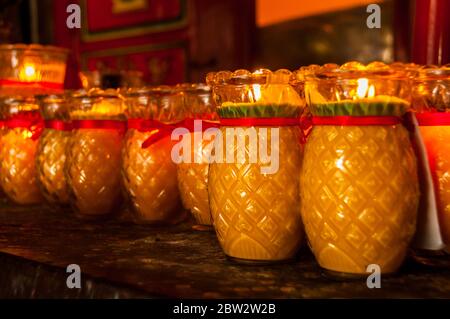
[50,162]
[18,175]
[359,195]
[193,172]
[193,184]
[51,154]
[150,178]
[256,215]
[93,167]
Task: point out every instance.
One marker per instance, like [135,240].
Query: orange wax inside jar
[50,160]
[359,196]
[359,188]
[193,184]
[18,174]
[436,139]
[94,171]
[150,178]
[256,215]
[51,154]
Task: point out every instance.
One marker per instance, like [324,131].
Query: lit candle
[254,191]
[359,184]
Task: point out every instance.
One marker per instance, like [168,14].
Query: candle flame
[364,89]
[28,73]
[27,134]
[255,93]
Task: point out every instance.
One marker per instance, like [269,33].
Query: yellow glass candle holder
[359,184]
[254,200]
[31,69]
[18,176]
[51,154]
[93,152]
[431,103]
[149,174]
[193,173]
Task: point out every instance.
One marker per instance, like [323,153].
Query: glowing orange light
[28,73]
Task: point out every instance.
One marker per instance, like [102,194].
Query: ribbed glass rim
[355,70]
[246,77]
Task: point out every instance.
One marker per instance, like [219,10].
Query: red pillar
[431,38]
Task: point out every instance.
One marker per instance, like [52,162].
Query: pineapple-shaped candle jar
[359,184]
[148,170]
[93,152]
[193,169]
[431,103]
[255,165]
[18,175]
[51,154]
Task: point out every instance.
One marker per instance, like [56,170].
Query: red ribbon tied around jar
[159,130]
[118,125]
[53,86]
[433,119]
[304,123]
[58,125]
[343,120]
[367,120]
[32,121]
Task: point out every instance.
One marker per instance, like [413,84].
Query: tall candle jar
[255,166]
[93,153]
[18,176]
[431,103]
[359,184]
[149,173]
[51,153]
[193,169]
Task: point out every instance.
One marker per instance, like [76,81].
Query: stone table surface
[122,260]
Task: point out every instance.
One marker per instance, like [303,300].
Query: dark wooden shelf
[124,260]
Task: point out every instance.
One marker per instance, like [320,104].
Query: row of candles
[354,163]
